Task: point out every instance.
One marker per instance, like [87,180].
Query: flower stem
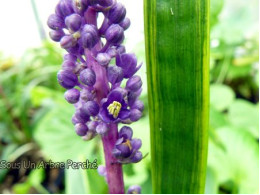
[114,170]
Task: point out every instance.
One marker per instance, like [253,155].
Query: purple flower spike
[134,189]
[67,79]
[73,22]
[72,96]
[88,77]
[100,80]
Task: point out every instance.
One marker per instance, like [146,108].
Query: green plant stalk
[177,56]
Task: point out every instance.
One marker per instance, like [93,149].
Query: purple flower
[115,108]
[126,149]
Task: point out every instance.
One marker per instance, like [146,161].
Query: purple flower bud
[111,52]
[117,13]
[91,108]
[68,65]
[120,49]
[87,94]
[81,129]
[138,104]
[67,79]
[72,95]
[56,35]
[125,23]
[103,59]
[68,41]
[102,128]
[102,170]
[74,120]
[115,34]
[70,57]
[73,22]
[134,83]
[132,96]
[136,144]
[89,36]
[135,115]
[137,157]
[64,8]
[115,74]
[134,190]
[92,125]
[123,149]
[55,22]
[105,3]
[126,132]
[81,116]
[88,77]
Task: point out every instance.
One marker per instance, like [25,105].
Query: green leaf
[56,136]
[177,57]
[238,164]
[245,114]
[221,96]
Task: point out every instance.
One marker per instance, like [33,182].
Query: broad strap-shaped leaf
[177,54]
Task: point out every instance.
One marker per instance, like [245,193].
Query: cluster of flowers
[86,70]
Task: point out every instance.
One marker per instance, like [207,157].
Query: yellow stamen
[114,108]
[128,143]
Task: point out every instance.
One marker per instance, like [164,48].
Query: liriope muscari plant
[94,83]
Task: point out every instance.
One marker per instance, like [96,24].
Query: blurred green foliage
[35,119]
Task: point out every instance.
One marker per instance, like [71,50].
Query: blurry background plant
[34,116]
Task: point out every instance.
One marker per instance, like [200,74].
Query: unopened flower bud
[115,34]
[134,189]
[115,74]
[67,79]
[81,129]
[56,35]
[117,13]
[105,3]
[103,59]
[55,22]
[125,23]
[68,65]
[73,22]
[91,108]
[89,36]
[87,94]
[72,95]
[126,132]
[68,41]
[70,57]
[134,83]
[135,115]
[64,8]
[102,170]
[138,104]
[102,128]
[88,77]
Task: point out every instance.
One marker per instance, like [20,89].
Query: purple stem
[114,170]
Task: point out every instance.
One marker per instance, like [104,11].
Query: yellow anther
[76,35]
[114,108]
[128,143]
